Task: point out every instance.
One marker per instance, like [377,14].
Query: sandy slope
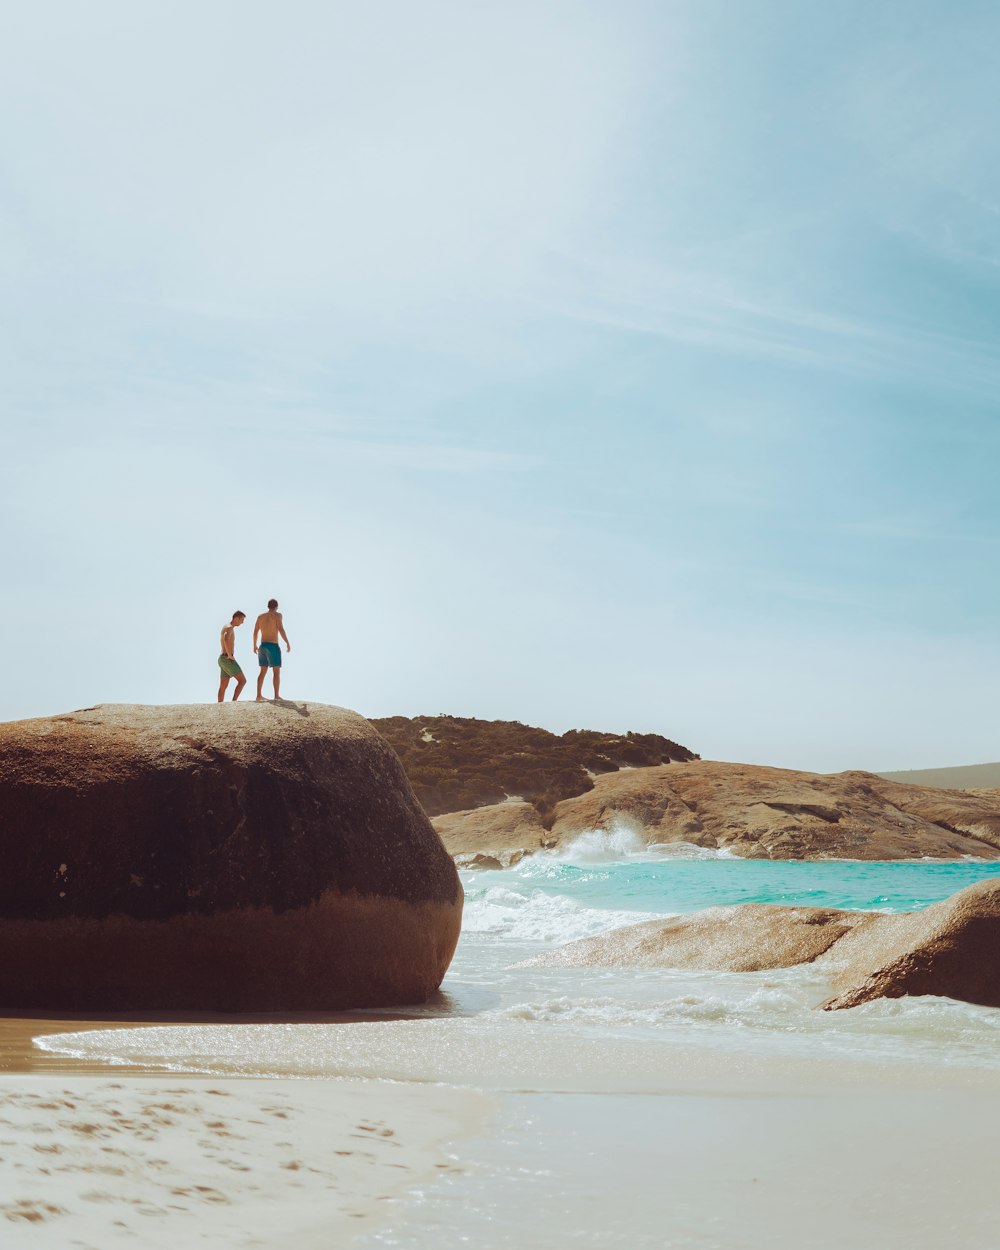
[964,777]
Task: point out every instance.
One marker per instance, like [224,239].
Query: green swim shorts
[229,666]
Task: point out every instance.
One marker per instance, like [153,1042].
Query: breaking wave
[623,841]
[537,916]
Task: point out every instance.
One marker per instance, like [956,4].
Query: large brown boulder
[951,948]
[756,813]
[222,857]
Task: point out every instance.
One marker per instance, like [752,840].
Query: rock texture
[497,831]
[751,937]
[753,812]
[222,857]
[951,948]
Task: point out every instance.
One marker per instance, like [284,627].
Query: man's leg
[260,683]
[276,675]
[223,683]
[241,681]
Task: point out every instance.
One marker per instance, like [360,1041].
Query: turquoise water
[677,885]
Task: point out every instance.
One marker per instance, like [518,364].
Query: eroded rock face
[951,948]
[233,857]
[503,827]
[753,812]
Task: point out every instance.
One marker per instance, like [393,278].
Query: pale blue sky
[622,365]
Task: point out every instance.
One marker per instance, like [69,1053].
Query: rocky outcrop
[504,828]
[223,857]
[751,937]
[457,763]
[756,813]
[951,948]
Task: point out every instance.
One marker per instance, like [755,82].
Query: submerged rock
[220,857]
[951,948]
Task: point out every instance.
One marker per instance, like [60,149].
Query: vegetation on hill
[455,762]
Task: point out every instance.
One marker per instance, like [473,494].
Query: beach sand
[701,1150]
[93,1157]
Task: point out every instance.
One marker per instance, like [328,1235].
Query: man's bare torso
[269,624]
[227,639]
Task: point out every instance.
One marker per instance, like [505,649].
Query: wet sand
[830,1169]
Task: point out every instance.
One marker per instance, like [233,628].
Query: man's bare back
[269,627]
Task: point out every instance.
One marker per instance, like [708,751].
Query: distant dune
[967,777]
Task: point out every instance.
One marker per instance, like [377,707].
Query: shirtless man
[227,660]
[269,626]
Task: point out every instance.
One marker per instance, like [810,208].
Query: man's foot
[260,699]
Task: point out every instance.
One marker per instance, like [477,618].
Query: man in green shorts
[227,661]
[270,627]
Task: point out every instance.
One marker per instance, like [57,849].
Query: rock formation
[753,812]
[951,948]
[495,832]
[222,857]
[456,763]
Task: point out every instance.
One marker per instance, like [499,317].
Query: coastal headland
[749,811]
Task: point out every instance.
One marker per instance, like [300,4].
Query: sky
[628,364]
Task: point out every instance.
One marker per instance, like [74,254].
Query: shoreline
[722,1151]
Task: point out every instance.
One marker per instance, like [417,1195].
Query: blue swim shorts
[269,655]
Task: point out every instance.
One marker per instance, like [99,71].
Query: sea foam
[537,916]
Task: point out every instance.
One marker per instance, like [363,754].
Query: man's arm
[256,634]
[281,631]
[228,635]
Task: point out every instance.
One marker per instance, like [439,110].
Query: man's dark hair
[236,614]
[272,603]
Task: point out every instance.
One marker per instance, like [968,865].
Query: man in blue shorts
[270,628]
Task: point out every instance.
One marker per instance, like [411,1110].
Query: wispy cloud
[699,310]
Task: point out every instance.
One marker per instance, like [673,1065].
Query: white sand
[95,1163]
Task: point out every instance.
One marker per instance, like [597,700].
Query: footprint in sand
[205,1192]
[31,1212]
